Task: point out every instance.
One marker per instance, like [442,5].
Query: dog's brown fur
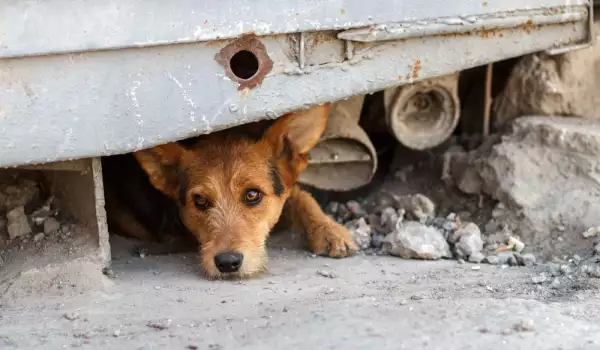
[229,190]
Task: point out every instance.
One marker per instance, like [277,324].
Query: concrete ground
[161,302]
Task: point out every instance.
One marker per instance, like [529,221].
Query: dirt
[495,291]
[383,302]
[304,301]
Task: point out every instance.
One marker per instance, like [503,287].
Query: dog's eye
[201,203]
[252,197]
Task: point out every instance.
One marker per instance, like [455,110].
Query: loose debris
[407,227]
[326,274]
[160,324]
[413,240]
[28,219]
[526,325]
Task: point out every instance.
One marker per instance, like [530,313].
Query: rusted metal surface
[484,24]
[77,105]
[251,44]
[43,27]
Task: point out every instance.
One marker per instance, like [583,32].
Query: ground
[304,301]
[310,302]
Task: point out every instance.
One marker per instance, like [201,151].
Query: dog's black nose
[228,262]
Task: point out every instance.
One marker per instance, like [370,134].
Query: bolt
[271,114]
[233,108]
[335,156]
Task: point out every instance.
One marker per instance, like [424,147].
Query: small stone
[460,261]
[108,272]
[51,225]
[450,226]
[597,249]
[344,213]
[492,260]
[356,209]
[417,297]
[507,258]
[71,316]
[389,219]
[361,232]
[591,232]
[554,269]
[326,274]
[17,223]
[468,229]
[526,325]
[160,324]
[468,240]
[413,240]
[555,283]
[476,257]
[377,241]
[38,237]
[116,333]
[141,252]
[539,279]
[418,206]
[527,260]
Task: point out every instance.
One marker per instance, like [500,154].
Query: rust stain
[249,43]
[485,3]
[416,68]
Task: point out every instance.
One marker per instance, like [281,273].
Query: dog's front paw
[331,239]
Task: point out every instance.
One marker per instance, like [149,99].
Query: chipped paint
[467,25]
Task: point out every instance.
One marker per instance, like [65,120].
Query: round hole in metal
[244,64]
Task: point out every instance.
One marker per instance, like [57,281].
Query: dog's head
[231,190]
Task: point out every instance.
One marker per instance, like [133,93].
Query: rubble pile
[27,217]
[407,227]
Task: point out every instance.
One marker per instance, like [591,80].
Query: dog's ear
[164,164]
[299,131]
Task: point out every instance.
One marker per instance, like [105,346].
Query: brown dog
[228,190]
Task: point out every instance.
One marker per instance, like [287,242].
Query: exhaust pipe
[424,114]
[344,159]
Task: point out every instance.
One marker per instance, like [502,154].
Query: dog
[225,191]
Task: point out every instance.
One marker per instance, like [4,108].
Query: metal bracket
[452,26]
[591,39]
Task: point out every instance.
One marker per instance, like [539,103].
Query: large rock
[565,84]
[546,174]
[413,240]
